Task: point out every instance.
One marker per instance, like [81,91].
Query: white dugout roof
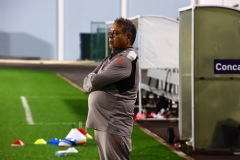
[157,41]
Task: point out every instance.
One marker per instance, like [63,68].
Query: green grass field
[55,105]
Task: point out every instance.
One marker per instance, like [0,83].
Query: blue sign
[227,66]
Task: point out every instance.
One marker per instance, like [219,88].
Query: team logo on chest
[119,60]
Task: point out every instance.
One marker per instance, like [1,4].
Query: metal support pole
[60,28]
[124,8]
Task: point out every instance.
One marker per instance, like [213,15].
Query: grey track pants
[113,147]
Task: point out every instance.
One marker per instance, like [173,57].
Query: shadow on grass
[78,106]
[153,152]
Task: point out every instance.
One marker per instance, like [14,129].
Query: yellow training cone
[40,141]
[88,136]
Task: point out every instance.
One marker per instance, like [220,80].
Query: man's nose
[110,35]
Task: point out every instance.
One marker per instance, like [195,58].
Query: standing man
[112,88]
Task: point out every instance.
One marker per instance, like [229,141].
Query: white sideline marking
[28,113]
[75,97]
[27,110]
[56,123]
[29,118]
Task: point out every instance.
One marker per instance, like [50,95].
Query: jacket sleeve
[118,69]
[87,84]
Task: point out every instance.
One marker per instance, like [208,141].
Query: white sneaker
[189,143]
[162,111]
[158,116]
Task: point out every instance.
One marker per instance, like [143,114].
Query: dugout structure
[209,98]
[157,43]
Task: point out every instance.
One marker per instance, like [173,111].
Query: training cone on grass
[17,143]
[62,153]
[72,150]
[82,131]
[74,134]
[88,136]
[68,142]
[54,141]
[40,141]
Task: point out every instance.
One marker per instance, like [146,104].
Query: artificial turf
[56,106]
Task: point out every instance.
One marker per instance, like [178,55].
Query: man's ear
[129,37]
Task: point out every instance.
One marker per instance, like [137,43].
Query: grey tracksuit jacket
[112,89]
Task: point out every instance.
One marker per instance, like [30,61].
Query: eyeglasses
[113,33]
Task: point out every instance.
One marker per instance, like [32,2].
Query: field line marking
[163,142]
[57,123]
[73,84]
[75,97]
[28,113]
